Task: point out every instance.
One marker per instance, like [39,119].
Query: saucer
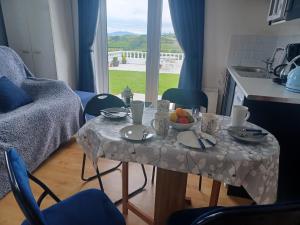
[240,133]
[115,113]
[136,133]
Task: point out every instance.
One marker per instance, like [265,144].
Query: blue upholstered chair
[188,99]
[276,214]
[90,207]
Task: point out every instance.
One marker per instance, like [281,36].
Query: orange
[180,112]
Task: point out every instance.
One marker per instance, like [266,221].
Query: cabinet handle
[25,51]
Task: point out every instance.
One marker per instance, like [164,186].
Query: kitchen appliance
[293,79]
[282,70]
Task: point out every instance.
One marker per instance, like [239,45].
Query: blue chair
[276,214]
[90,207]
[92,109]
[188,99]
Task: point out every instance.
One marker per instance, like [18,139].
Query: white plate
[115,113]
[189,139]
[239,134]
[136,132]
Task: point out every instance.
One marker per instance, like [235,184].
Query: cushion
[12,96]
[89,207]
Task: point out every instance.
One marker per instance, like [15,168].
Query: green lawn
[118,80]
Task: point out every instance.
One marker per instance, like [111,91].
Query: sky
[131,16]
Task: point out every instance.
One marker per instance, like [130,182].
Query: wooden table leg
[170,194]
[215,191]
[125,188]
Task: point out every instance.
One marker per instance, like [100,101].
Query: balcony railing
[139,57]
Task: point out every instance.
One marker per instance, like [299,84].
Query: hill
[120,33]
[137,42]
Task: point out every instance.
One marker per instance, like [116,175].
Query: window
[139,48]
[127,46]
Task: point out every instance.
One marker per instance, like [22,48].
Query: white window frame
[154,23]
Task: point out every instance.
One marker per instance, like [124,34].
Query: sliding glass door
[127,46]
[130,52]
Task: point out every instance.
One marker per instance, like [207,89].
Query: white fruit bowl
[181,126]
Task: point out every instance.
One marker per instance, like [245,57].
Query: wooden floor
[61,172]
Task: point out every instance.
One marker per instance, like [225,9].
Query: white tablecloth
[255,167]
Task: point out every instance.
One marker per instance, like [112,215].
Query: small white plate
[189,139]
[136,133]
[239,134]
[115,113]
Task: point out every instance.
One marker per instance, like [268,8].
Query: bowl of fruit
[181,119]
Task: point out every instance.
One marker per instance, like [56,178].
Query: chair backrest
[19,181]
[100,102]
[12,66]
[277,214]
[186,98]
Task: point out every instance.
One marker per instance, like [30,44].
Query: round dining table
[252,166]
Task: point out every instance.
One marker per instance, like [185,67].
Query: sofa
[38,128]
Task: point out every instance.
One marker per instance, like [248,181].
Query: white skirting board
[212,95]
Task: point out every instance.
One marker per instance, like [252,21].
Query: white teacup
[239,115]
[163,106]
[137,109]
[209,123]
[160,123]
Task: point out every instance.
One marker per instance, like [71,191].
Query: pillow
[12,96]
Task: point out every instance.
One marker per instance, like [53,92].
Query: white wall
[226,18]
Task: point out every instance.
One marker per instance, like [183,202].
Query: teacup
[209,123]
[137,109]
[239,115]
[160,123]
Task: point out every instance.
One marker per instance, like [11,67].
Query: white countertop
[263,89]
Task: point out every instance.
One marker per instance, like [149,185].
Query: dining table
[252,166]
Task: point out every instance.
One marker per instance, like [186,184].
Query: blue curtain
[88,15]
[3,38]
[188,22]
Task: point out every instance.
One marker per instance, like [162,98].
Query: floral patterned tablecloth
[255,167]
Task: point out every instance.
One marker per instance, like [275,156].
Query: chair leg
[138,190]
[95,176]
[200,182]
[153,175]
[99,179]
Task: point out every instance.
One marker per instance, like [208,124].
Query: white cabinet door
[39,24]
[17,29]
[29,33]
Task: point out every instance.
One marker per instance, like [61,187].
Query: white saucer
[239,134]
[136,133]
[115,113]
[189,139]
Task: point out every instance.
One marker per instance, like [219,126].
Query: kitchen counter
[263,89]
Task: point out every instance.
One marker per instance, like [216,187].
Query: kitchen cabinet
[283,10]
[278,116]
[41,32]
